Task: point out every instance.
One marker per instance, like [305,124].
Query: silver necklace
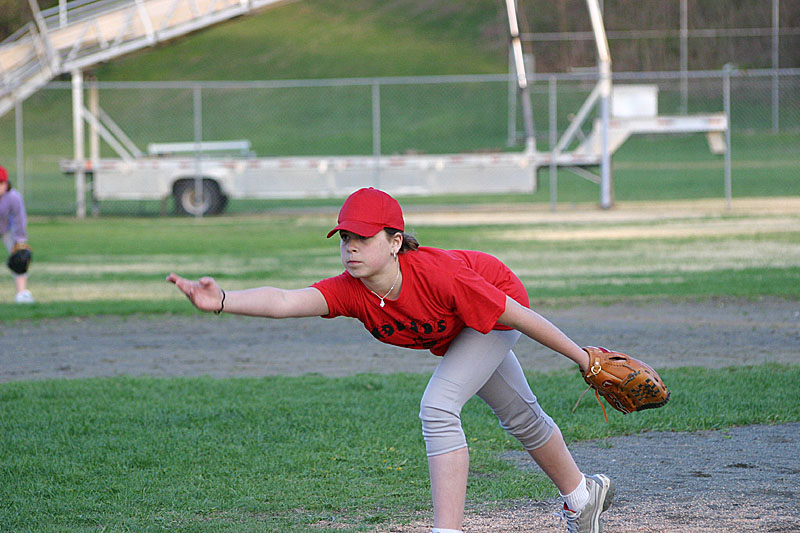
[383,304]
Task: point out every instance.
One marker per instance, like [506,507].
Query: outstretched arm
[541,330]
[269,302]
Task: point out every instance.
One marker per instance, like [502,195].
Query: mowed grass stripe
[622,252]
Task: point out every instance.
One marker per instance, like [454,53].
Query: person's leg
[449,472]
[555,460]
[20,283]
[510,397]
[20,280]
[508,394]
[469,362]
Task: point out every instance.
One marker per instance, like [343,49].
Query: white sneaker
[24,297]
[587,520]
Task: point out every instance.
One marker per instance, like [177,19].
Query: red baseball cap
[367,211]
[3,175]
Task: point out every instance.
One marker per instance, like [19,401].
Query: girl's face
[363,257]
[3,187]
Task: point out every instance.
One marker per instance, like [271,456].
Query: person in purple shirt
[14,230]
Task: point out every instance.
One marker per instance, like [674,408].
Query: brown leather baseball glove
[626,383]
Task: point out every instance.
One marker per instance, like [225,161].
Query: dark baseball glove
[626,383]
[20,258]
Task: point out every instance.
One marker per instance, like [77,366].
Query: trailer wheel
[211,201]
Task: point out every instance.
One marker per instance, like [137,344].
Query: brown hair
[410,243]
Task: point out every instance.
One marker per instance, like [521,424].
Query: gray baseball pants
[484,365]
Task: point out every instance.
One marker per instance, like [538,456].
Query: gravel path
[743,479]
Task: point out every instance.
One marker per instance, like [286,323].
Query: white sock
[578,498]
[443,530]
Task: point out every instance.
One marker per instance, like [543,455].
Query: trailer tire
[212,201]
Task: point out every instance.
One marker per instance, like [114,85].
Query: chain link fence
[407,116]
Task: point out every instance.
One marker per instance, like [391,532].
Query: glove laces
[596,395]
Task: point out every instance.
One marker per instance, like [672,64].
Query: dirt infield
[744,479]
[710,333]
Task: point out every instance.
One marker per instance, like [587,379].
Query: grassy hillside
[331,38]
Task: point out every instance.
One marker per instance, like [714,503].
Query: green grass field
[149,454]
[285,454]
[259,455]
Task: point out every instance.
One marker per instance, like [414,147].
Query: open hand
[204,293]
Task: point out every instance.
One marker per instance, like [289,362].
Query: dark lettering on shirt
[384,331]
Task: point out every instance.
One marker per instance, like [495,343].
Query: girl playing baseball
[464,306]
[14,234]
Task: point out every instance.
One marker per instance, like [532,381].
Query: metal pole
[606,185]
[554,152]
[512,101]
[20,154]
[775,65]
[376,130]
[53,59]
[522,79]
[94,138]
[726,98]
[77,134]
[62,13]
[684,57]
[198,139]
[604,58]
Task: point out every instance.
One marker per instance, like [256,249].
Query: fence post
[78,133]
[197,100]
[376,130]
[554,151]
[775,66]
[606,175]
[684,57]
[726,99]
[94,138]
[20,181]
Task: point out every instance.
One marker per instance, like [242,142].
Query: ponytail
[410,243]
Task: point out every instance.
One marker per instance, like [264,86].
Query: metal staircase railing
[82,33]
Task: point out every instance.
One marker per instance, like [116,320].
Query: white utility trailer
[202,176]
[202,179]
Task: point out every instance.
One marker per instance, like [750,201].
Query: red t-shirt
[443,292]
